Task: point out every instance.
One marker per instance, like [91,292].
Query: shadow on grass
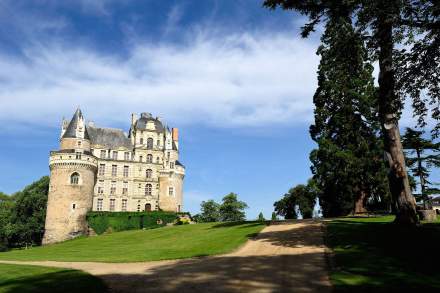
[64,281]
[384,257]
[278,273]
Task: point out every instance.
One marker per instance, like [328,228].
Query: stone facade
[103,169]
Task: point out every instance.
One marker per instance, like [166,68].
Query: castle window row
[114,155]
[124,205]
[125,171]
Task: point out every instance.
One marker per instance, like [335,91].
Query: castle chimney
[133,118]
[175,134]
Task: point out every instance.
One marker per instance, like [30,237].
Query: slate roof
[179,164]
[142,123]
[111,138]
[71,128]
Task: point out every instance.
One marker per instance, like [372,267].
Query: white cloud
[227,81]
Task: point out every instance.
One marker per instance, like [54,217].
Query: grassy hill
[375,255]
[145,245]
[35,279]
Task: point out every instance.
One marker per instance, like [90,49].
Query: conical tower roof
[71,130]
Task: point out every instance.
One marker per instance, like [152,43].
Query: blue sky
[235,78]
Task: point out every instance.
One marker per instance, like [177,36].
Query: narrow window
[79,143]
[78,156]
[170,191]
[127,156]
[114,170]
[157,160]
[103,154]
[140,158]
[139,208]
[99,205]
[141,141]
[148,188]
[171,165]
[158,143]
[115,155]
[113,187]
[101,170]
[112,204]
[150,143]
[149,158]
[149,173]
[125,188]
[124,205]
[100,187]
[125,171]
[73,206]
[74,178]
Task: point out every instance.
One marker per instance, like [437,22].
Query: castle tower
[171,176]
[72,179]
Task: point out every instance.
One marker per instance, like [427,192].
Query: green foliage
[171,242]
[101,222]
[210,211]
[182,221]
[4,197]
[261,217]
[232,209]
[35,279]
[301,196]
[421,155]
[347,165]
[22,216]
[274,216]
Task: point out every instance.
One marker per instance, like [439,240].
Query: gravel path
[284,257]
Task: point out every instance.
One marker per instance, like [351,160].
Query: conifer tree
[421,162]
[348,164]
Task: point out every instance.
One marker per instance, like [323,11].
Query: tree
[302,197]
[421,164]
[261,217]
[6,208]
[210,211]
[29,213]
[348,164]
[232,209]
[286,206]
[274,216]
[387,23]
[4,197]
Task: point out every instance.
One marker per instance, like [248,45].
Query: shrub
[120,221]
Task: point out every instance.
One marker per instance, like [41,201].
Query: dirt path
[287,257]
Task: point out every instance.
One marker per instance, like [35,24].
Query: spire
[77,127]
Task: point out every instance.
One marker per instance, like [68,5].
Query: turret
[72,180]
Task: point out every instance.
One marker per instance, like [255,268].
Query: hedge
[101,222]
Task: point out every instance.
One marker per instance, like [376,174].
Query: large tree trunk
[359,204]
[403,200]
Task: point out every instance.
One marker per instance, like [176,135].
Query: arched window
[74,178]
[150,143]
[149,173]
[148,188]
[149,158]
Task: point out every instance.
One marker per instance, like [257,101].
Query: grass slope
[145,245]
[23,279]
[375,255]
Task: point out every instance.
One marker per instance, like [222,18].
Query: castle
[103,169]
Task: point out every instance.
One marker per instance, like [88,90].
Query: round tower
[72,180]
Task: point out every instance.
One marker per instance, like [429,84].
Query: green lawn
[375,255]
[145,245]
[23,279]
